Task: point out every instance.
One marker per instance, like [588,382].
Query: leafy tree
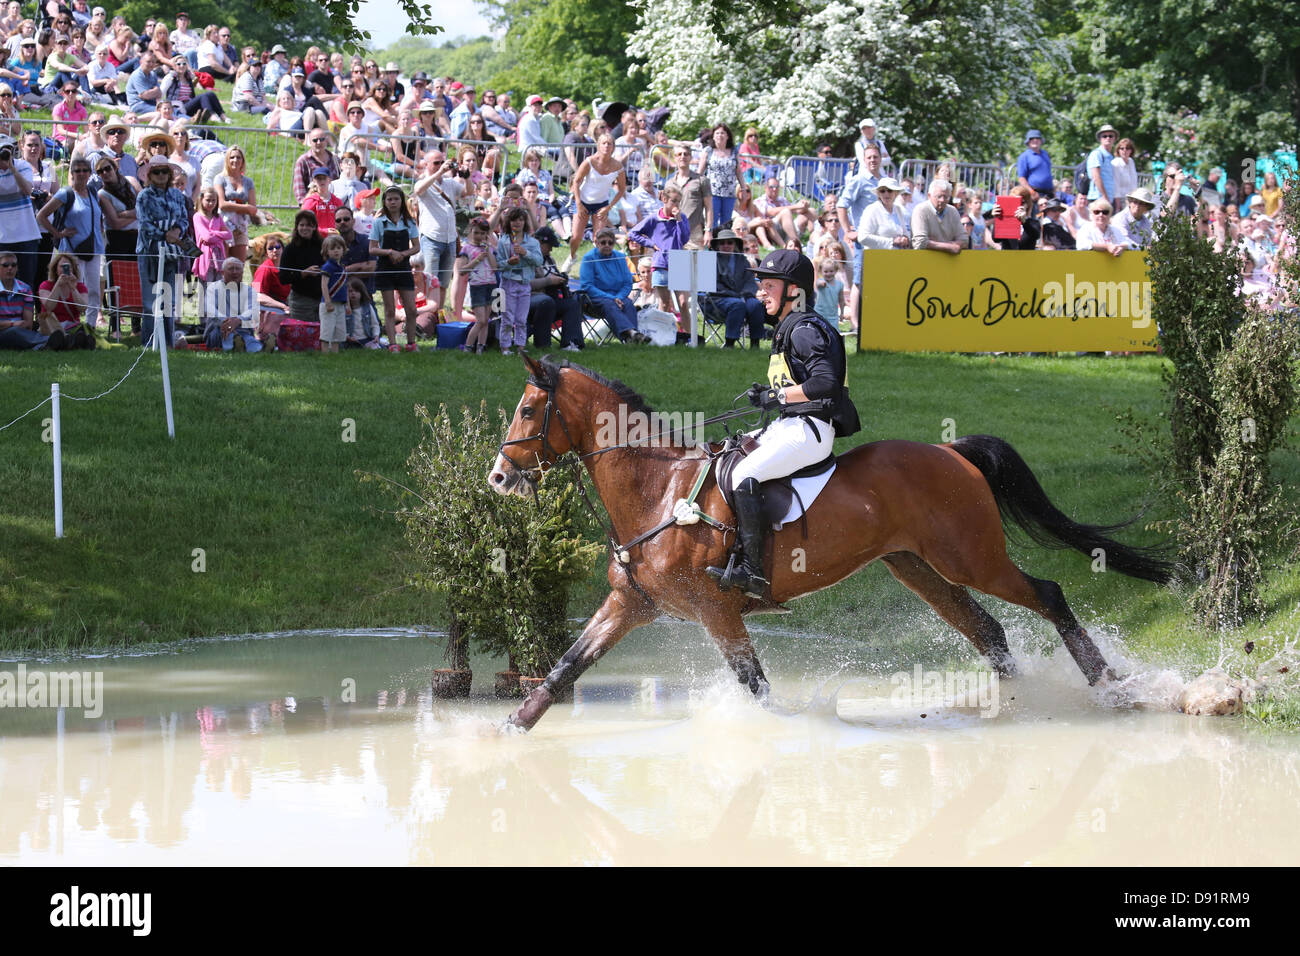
[265,23]
[576,48]
[476,60]
[946,78]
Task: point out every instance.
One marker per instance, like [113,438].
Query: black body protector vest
[788,367]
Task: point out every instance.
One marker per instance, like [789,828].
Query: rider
[806,377]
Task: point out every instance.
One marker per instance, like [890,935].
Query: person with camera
[75,221]
[62,297]
[436,194]
[1174,200]
[19,234]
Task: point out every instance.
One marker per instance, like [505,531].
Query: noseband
[544,434]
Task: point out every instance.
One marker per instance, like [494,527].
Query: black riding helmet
[793,268]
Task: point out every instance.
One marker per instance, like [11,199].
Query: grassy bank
[253,518]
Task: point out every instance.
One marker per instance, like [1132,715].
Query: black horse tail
[1021,499]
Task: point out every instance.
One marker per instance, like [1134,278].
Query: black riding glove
[763,396]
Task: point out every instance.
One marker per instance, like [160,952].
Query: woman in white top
[882,225]
[592,185]
[1077,216]
[1099,234]
[1126,174]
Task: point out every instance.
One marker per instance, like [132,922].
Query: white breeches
[785,446]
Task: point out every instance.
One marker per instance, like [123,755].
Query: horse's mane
[634,401]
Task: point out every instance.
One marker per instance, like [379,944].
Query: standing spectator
[317,155]
[859,192]
[1125,169]
[16,313]
[334,317]
[1056,235]
[238,200]
[394,241]
[164,220]
[608,284]
[1271,193]
[1030,229]
[751,164]
[828,300]
[300,264]
[1077,216]
[11,123]
[1100,234]
[530,125]
[735,302]
[597,178]
[78,229]
[211,236]
[882,225]
[19,233]
[664,232]
[935,224]
[869,138]
[721,164]
[1173,199]
[1134,222]
[479,265]
[696,196]
[230,307]
[1034,167]
[1100,165]
[322,201]
[436,193]
[518,256]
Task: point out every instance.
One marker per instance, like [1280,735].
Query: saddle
[779,494]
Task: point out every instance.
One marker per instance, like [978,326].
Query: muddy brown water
[321,748]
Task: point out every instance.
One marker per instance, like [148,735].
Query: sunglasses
[273,247]
[8,265]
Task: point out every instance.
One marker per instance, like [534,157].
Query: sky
[387,22]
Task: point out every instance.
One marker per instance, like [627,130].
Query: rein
[617,551]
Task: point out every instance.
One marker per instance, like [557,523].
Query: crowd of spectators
[451,205]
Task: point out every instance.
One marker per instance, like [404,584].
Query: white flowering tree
[943,79]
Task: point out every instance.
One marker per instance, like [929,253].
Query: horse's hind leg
[1046,598]
[955,605]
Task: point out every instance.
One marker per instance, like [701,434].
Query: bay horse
[933,513]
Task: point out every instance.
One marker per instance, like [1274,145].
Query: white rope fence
[156,341]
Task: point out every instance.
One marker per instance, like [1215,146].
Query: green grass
[260,479]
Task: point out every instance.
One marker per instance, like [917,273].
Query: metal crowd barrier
[985,177]
[814,178]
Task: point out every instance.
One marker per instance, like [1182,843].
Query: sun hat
[427,106]
[278,49]
[1107,128]
[867,122]
[1144,196]
[158,135]
[115,123]
[158,162]
[391,67]
[725,235]
[555,99]
[890,183]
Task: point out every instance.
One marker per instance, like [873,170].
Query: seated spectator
[532,172]
[935,224]
[211,54]
[182,87]
[230,309]
[735,302]
[1134,223]
[288,121]
[552,300]
[644,294]
[1056,235]
[608,285]
[747,220]
[1100,234]
[358,137]
[24,76]
[143,90]
[17,331]
[348,182]
[71,112]
[272,291]
[790,219]
[62,297]
[248,96]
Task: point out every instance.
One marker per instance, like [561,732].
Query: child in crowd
[334,315]
[519,255]
[426,314]
[363,321]
[477,261]
[211,235]
[349,182]
[663,232]
[321,200]
[830,293]
[365,210]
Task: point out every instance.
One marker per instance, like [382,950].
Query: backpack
[1081,181]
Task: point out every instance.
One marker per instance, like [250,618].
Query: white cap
[867,122]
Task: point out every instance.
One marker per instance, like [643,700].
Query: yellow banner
[996,301]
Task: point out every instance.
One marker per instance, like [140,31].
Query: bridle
[544,435]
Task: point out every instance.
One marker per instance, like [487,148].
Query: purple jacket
[661,234]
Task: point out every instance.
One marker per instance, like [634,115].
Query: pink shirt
[61,112]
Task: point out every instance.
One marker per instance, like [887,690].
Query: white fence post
[57,435]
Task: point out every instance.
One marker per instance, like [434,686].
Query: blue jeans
[620,320]
[722,209]
[18,340]
[439,260]
[736,313]
[171,295]
[213,339]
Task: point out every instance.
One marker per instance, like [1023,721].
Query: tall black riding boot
[748,574]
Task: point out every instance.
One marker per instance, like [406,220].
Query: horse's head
[538,434]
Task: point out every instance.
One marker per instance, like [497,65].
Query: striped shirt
[14,301]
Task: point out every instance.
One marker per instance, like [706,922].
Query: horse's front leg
[621,612]
[732,637]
